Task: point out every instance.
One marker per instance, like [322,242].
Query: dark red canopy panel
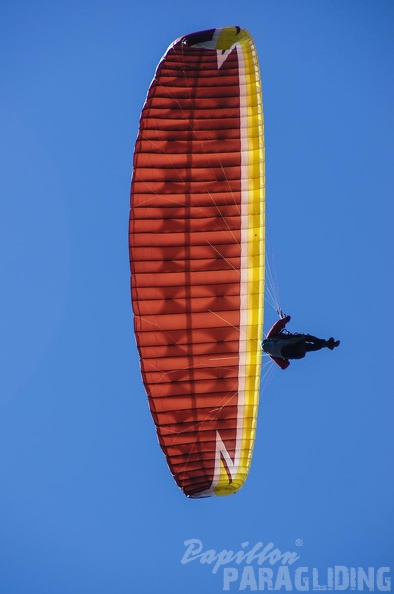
[197,256]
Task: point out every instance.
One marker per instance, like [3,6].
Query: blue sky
[87,503]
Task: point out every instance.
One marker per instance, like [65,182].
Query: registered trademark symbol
[299,542]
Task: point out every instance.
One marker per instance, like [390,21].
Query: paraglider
[197,256]
[282,345]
